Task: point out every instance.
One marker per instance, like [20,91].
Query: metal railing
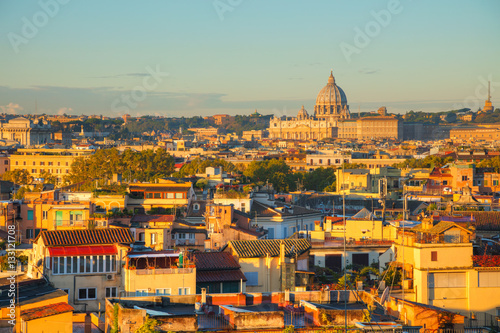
[159,271]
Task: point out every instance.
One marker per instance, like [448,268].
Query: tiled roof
[85,237]
[220,276]
[260,247]
[170,189]
[281,210]
[439,228]
[46,311]
[153,218]
[207,261]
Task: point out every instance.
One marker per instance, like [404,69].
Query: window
[153,238]
[29,233]
[165,291]
[17,163]
[170,195]
[434,256]
[33,170]
[45,214]
[42,163]
[184,291]
[489,279]
[51,163]
[87,293]
[30,215]
[178,195]
[149,195]
[252,278]
[111,292]
[243,207]
[157,196]
[270,233]
[141,292]
[464,178]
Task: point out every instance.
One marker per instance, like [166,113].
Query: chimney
[203,296]
[282,252]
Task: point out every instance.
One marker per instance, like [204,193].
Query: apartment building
[53,161]
[87,264]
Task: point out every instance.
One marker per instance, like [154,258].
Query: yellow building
[57,316]
[87,264]
[164,194]
[264,262]
[440,269]
[53,161]
[108,202]
[49,213]
[159,273]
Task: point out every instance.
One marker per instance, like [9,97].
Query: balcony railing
[159,271]
[71,223]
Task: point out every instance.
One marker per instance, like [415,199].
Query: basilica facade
[332,119]
[331,107]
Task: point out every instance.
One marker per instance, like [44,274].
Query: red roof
[207,261]
[220,276]
[74,251]
[46,311]
[85,237]
[153,218]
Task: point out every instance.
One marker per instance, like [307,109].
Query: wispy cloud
[121,75]
[11,108]
[368,71]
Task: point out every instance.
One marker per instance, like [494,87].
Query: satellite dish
[384,296]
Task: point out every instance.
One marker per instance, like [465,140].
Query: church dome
[302,114]
[331,102]
[331,94]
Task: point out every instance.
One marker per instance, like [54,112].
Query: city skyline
[175,59]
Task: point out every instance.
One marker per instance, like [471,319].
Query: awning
[153,255]
[74,251]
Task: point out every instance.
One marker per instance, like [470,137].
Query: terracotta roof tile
[220,276]
[46,311]
[85,237]
[153,218]
[207,261]
[260,247]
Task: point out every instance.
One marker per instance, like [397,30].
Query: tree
[320,179]
[276,172]
[143,166]
[18,176]
[48,178]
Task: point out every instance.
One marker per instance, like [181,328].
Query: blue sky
[234,56]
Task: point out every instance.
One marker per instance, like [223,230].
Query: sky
[187,58]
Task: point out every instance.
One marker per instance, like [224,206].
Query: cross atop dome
[331,79]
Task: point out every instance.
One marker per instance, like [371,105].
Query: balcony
[427,238]
[160,271]
[71,223]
